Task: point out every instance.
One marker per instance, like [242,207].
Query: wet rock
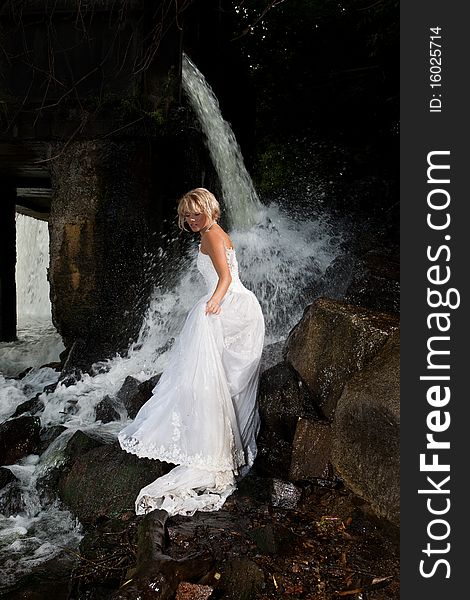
[32,406]
[92,492]
[51,579]
[55,365]
[336,278]
[23,374]
[134,394]
[282,398]
[77,445]
[375,283]
[242,579]
[128,389]
[105,411]
[311,451]
[11,501]
[193,591]
[366,432]
[6,477]
[273,539]
[332,341]
[371,280]
[48,434]
[18,438]
[284,494]
[49,389]
[145,390]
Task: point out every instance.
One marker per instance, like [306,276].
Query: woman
[202,415]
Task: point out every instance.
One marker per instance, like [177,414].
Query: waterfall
[38,341]
[240,199]
[32,251]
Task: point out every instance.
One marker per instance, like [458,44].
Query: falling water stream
[241,201]
[280,258]
[38,341]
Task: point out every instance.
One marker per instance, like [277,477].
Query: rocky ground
[318,516]
[271,540]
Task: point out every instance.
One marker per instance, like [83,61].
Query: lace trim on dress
[232,261]
[174,455]
[230,340]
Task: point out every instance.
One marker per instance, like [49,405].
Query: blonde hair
[198,200]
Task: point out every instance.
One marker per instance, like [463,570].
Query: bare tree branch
[259,18]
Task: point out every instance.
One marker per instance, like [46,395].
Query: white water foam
[38,532]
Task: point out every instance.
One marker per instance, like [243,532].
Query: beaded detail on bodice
[207,270]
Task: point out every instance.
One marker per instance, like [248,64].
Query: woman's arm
[215,248]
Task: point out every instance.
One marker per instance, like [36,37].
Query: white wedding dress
[203,414]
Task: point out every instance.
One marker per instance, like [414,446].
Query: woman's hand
[213,307]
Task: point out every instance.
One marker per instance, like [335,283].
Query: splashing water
[38,532]
[280,260]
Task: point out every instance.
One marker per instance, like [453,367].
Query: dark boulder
[337,277]
[104,482]
[332,341]
[6,477]
[32,406]
[18,438]
[375,283]
[366,432]
[283,398]
[11,499]
[105,411]
[311,451]
[242,579]
[51,579]
[59,461]
[134,394]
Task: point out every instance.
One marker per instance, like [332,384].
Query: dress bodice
[207,270]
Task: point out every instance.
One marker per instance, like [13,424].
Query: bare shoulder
[216,238]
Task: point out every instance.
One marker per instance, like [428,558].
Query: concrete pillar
[7,262]
[99,235]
